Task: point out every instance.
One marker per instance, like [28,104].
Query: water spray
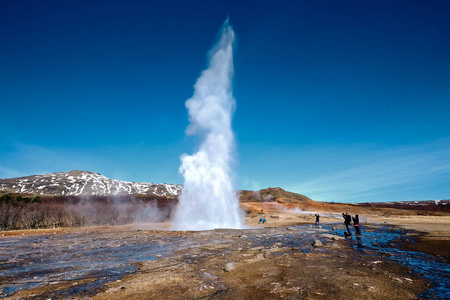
[208,199]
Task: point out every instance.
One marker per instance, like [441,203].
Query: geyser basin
[81,263]
[208,199]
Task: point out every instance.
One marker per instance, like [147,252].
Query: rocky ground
[273,271]
[280,259]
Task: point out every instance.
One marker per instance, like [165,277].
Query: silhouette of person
[347,221]
[356,225]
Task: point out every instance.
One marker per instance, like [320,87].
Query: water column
[209,199]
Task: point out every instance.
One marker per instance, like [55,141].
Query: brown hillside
[273,199]
[272,195]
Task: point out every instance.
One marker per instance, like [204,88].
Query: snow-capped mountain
[83,183]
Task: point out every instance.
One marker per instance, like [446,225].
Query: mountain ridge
[83,183]
[88,183]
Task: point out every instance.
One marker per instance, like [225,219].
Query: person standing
[356,224]
[347,221]
[317,223]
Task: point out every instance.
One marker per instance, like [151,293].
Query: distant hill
[272,195]
[270,198]
[83,183]
[427,205]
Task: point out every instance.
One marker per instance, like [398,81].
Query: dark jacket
[347,219]
[356,221]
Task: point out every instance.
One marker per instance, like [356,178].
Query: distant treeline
[33,212]
[421,206]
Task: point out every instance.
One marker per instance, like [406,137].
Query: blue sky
[343,101]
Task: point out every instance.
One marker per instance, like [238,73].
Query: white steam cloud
[208,199]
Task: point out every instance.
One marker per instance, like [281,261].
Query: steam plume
[208,199]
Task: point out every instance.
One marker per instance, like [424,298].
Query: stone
[408,279]
[317,243]
[229,267]
[332,236]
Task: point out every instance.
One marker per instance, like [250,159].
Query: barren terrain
[268,261]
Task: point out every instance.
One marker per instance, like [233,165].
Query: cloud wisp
[381,174]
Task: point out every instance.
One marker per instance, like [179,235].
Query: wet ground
[34,261]
[385,241]
[80,265]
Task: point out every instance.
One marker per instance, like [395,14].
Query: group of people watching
[348,220]
[262,217]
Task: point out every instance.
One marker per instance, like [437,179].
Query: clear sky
[343,101]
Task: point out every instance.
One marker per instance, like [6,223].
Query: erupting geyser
[208,199]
